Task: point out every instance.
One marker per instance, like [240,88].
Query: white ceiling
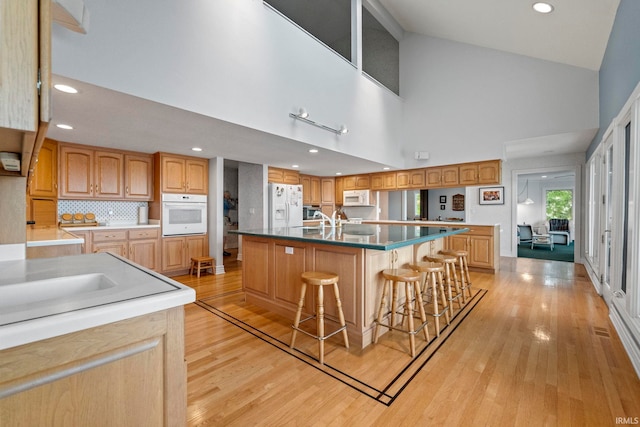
[576,34]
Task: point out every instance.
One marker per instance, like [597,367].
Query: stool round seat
[428,267]
[455,252]
[442,258]
[319,279]
[401,275]
[450,277]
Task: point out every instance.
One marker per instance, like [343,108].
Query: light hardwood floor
[539,349]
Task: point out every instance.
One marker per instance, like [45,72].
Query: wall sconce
[303,116]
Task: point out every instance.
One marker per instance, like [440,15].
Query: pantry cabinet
[182,174]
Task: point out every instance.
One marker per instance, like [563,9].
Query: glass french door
[606,218]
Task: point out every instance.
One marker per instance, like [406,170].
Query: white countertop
[111,226]
[47,297]
[51,237]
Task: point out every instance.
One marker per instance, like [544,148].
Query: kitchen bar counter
[274,259]
[52,236]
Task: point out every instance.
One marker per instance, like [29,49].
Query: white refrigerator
[285,205]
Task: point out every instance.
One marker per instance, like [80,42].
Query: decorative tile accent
[122,211]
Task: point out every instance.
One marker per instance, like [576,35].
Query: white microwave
[356,198]
[184,214]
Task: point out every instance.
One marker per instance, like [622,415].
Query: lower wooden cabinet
[482,243]
[130,372]
[178,251]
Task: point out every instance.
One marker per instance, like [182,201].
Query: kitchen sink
[16,294]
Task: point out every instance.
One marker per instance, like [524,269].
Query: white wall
[233,60]
[462,102]
[448,212]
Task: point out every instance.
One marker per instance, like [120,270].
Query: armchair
[560,231]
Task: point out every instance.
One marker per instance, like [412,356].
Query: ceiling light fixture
[542,7]
[65,88]
[386,168]
[295,166]
[63,126]
[196,149]
[338,173]
[303,116]
[313,151]
[526,201]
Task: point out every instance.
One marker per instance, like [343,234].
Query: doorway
[547,208]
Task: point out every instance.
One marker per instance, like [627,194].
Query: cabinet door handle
[127,189]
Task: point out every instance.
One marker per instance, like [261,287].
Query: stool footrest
[329,335]
[400,329]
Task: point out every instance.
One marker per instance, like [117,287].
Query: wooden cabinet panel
[450,175]
[138,177]
[178,251]
[414,178]
[197,177]
[283,176]
[256,278]
[480,251]
[468,174]
[287,269]
[145,252]
[76,172]
[86,235]
[339,183]
[181,174]
[490,172]
[383,181]
[357,182]
[305,181]
[328,190]
[443,176]
[118,248]
[109,169]
[44,180]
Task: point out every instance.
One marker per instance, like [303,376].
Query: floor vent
[602,332]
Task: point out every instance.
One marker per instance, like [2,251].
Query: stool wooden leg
[394,302]
[463,284]
[409,305]
[465,261]
[451,272]
[381,313]
[434,298]
[343,323]
[423,315]
[443,297]
[320,322]
[296,322]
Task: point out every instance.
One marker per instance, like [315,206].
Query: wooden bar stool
[201,263]
[319,280]
[435,280]
[411,280]
[465,279]
[450,277]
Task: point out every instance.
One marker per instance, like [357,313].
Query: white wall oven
[184,214]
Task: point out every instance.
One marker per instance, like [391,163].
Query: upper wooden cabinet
[414,178]
[182,174]
[356,182]
[328,190]
[44,179]
[490,172]
[442,176]
[86,173]
[138,177]
[283,176]
[383,181]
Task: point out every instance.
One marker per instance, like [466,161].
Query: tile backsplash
[122,211]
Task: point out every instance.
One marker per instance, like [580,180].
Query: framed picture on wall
[492,195]
[443,199]
[442,207]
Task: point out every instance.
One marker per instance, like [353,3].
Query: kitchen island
[274,259]
[91,337]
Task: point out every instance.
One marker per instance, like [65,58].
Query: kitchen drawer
[110,235]
[144,233]
[479,230]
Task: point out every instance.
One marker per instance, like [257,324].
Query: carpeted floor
[380,371]
[559,252]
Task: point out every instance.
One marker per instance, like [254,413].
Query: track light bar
[303,116]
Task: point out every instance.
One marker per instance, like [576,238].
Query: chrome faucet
[332,220]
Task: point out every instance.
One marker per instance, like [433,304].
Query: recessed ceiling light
[338,173]
[543,176]
[313,150]
[542,7]
[295,166]
[196,149]
[63,126]
[386,168]
[65,88]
